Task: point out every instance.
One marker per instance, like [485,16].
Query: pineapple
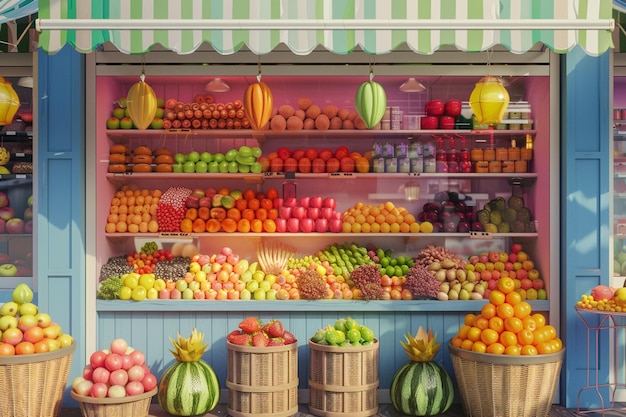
[422,347]
[189,349]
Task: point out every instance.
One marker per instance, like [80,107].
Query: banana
[258,104]
[141,103]
[370,102]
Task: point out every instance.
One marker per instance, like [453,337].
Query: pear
[22,294]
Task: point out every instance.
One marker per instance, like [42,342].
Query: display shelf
[251,235]
[301,305]
[9,283]
[121,135]
[16,134]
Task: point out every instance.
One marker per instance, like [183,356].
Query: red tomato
[283,153]
[311,153]
[326,154]
[276,165]
[333,165]
[318,165]
[291,165]
[304,165]
[347,164]
[341,152]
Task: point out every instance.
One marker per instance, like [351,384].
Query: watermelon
[421,389]
[189,389]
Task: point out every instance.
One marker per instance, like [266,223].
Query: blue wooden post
[585,161]
[60,234]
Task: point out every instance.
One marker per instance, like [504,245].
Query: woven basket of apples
[115,383]
[34,351]
[262,376]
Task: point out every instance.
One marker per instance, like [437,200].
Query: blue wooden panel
[585,212]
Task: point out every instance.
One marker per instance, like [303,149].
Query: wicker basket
[262,381]
[33,385]
[343,381]
[490,384]
[133,405]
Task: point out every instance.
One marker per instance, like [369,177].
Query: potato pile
[311,116]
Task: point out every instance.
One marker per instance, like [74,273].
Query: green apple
[189,167]
[270,294]
[118,113]
[157,123]
[187,294]
[218,157]
[8,322]
[223,167]
[265,285]
[113,123]
[252,286]
[202,167]
[243,169]
[245,294]
[181,285]
[28,309]
[8,270]
[206,156]
[180,158]
[246,276]
[126,123]
[10,308]
[258,275]
[177,168]
[256,168]
[193,156]
[159,113]
[230,155]
[213,167]
[245,151]
[257,152]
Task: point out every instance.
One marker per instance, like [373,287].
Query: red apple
[313,213]
[494,256]
[204,259]
[453,107]
[6,213]
[298,212]
[311,153]
[285,212]
[297,154]
[305,202]
[290,202]
[205,201]
[325,154]
[15,225]
[278,202]
[316,201]
[335,225]
[307,225]
[28,214]
[321,225]
[329,202]
[293,225]
[326,212]
[4,200]
[516,248]
[281,225]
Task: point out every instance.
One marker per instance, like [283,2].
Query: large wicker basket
[33,385]
[490,384]
[130,406]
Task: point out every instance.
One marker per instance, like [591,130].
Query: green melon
[421,389]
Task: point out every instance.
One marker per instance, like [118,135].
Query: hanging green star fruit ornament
[370,102]
[141,103]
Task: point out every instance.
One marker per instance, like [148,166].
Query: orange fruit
[522,309]
[513,350]
[505,310]
[513,298]
[544,348]
[529,323]
[229,225]
[249,194]
[7,349]
[506,284]
[186,226]
[525,337]
[550,331]
[271,193]
[497,348]
[508,338]
[24,348]
[479,347]
[481,322]
[362,165]
[456,342]
[474,334]
[254,204]
[256,225]
[513,324]
[260,213]
[488,311]
[469,319]
[497,297]
[467,344]
[489,336]
[243,225]
[269,225]
[42,346]
[497,324]
[539,319]
[528,350]
[464,331]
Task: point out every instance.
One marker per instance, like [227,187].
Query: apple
[316,201]
[327,213]
[321,225]
[293,225]
[307,225]
[494,256]
[335,225]
[8,270]
[15,225]
[4,200]
[28,227]
[12,335]
[6,213]
[305,202]
[28,214]
[30,201]
[290,202]
[516,248]
[298,212]
[313,213]
[329,202]
[278,202]
[28,309]
[285,212]
[281,225]
[156,123]
[8,322]
[113,123]
[126,123]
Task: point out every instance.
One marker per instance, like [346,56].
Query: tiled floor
[385,410]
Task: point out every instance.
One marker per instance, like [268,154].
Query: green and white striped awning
[340,26]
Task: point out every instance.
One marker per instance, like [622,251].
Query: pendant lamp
[489,100]
[412,86]
[217,86]
[9,102]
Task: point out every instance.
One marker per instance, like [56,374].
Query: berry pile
[145,261]
[253,332]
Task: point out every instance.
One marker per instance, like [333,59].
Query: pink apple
[316,201]
[521,274]
[298,212]
[6,213]
[337,215]
[525,283]
[508,266]
[329,202]
[278,202]
[285,212]
[495,274]
[494,256]
[516,248]
[512,257]
[15,225]
[305,202]
[281,225]
[335,225]
[293,225]
[204,259]
[205,201]
[538,284]
[4,199]
[313,213]
[326,212]
[307,225]
[321,225]
[164,294]
[483,258]
[473,259]
[492,284]
[290,202]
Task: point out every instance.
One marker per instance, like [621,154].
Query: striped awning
[377,27]
[14,9]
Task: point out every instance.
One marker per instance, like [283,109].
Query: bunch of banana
[141,103]
[422,347]
[258,104]
[189,349]
[370,103]
[5,156]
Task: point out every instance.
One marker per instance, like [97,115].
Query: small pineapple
[189,349]
[422,347]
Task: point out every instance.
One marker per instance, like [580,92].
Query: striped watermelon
[189,389]
[421,389]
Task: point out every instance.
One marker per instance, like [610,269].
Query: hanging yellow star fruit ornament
[489,100]
[141,103]
[258,103]
[9,102]
[370,102]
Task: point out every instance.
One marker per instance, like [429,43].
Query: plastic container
[495,166]
[477,154]
[489,154]
[481,167]
[343,380]
[262,381]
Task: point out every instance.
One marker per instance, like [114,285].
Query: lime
[405,269]
[367,334]
[341,336]
[340,325]
[351,323]
[319,336]
[398,271]
[393,262]
[245,151]
[332,336]
[385,261]
[354,335]
[390,270]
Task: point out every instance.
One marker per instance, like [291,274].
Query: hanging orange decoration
[489,100]
[141,103]
[9,102]
[258,104]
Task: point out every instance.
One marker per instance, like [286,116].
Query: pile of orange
[133,210]
[253,212]
[507,325]
[382,218]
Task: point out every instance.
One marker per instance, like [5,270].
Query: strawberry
[260,339]
[276,341]
[274,328]
[250,325]
[289,338]
[233,334]
[242,339]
